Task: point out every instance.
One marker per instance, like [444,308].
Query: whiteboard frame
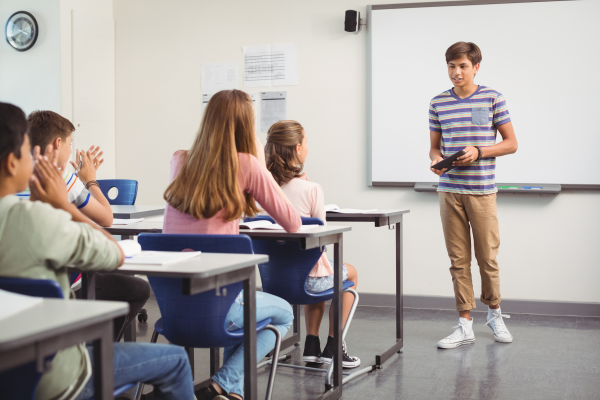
[370,9]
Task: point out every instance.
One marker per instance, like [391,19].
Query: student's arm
[261,185]
[97,208]
[47,185]
[435,151]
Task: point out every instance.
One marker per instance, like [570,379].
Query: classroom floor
[551,358]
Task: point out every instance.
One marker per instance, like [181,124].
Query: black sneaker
[347,361]
[312,349]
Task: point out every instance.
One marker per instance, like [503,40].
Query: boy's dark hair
[13,128]
[459,49]
[45,126]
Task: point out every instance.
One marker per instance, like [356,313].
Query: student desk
[131,230]
[387,218]
[55,324]
[316,236]
[131,212]
[211,271]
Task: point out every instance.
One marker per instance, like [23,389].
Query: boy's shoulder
[30,217]
[485,91]
[444,95]
[32,210]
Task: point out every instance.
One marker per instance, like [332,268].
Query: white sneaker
[463,334]
[496,323]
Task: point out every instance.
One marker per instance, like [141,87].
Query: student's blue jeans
[231,375]
[165,366]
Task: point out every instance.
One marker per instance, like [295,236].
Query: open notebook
[264,224]
[336,209]
[13,303]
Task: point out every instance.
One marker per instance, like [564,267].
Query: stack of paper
[334,208]
[160,257]
[264,224]
[118,221]
[13,303]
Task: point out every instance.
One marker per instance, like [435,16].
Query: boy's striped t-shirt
[472,121]
[76,191]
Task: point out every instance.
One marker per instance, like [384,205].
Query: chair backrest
[127,191]
[198,320]
[32,287]
[284,275]
[20,382]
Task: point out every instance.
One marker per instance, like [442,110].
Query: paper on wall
[271,65]
[273,108]
[205,98]
[219,76]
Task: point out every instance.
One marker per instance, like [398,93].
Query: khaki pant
[458,211]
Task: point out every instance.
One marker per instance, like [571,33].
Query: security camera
[352,22]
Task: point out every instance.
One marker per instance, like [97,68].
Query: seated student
[51,131]
[286,152]
[213,185]
[39,238]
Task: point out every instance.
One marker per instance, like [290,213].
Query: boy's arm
[48,186]
[435,151]
[508,145]
[97,208]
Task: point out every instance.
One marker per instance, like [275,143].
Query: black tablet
[447,162]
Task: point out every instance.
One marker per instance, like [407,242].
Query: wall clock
[21,31]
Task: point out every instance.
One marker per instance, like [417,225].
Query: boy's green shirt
[38,241]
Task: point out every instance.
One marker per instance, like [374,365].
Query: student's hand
[90,162]
[438,172]
[47,184]
[304,176]
[51,154]
[468,158]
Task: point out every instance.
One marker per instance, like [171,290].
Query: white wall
[548,244]
[32,79]
[102,8]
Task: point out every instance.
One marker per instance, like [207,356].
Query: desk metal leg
[294,339]
[103,364]
[396,348]
[250,389]
[335,392]
[215,360]
[88,285]
[130,332]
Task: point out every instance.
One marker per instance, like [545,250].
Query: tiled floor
[550,358]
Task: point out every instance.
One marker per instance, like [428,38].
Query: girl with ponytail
[286,152]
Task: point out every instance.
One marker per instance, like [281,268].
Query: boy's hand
[438,172]
[90,162]
[47,184]
[468,158]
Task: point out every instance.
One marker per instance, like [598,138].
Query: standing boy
[467,117]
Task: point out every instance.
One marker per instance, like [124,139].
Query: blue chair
[127,191]
[198,321]
[285,275]
[21,382]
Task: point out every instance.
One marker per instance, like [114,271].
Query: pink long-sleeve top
[309,200]
[255,180]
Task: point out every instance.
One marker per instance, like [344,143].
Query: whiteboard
[542,56]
